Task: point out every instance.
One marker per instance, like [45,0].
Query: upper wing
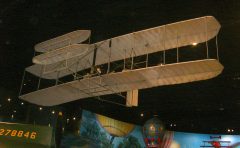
[142,42]
[74,37]
[62,54]
[160,38]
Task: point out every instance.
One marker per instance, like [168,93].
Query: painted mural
[98,131]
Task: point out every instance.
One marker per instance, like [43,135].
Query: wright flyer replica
[121,64]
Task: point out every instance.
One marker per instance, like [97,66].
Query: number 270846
[18,133]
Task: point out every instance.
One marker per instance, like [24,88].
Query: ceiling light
[53,112]
[99,70]
[194,44]
[74,118]
[7,42]
[142,115]
[221,109]
[22,103]
[9,99]
[12,116]
[40,108]
[14,111]
[60,113]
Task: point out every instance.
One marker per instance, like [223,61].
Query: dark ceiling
[206,106]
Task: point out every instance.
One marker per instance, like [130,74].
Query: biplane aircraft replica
[69,55]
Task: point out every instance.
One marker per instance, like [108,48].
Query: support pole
[164,61]
[20,91]
[39,80]
[56,83]
[133,46]
[177,48]
[132,98]
[94,60]
[206,36]
[147,59]
[109,56]
[75,75]
[164,46]
[132,59]
[89,39]
[177,55]
[217,46]
[124,61]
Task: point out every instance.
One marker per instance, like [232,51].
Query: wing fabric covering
[74,37]
[168,74]
[62,54]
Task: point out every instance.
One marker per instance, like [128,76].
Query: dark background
[210,106]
